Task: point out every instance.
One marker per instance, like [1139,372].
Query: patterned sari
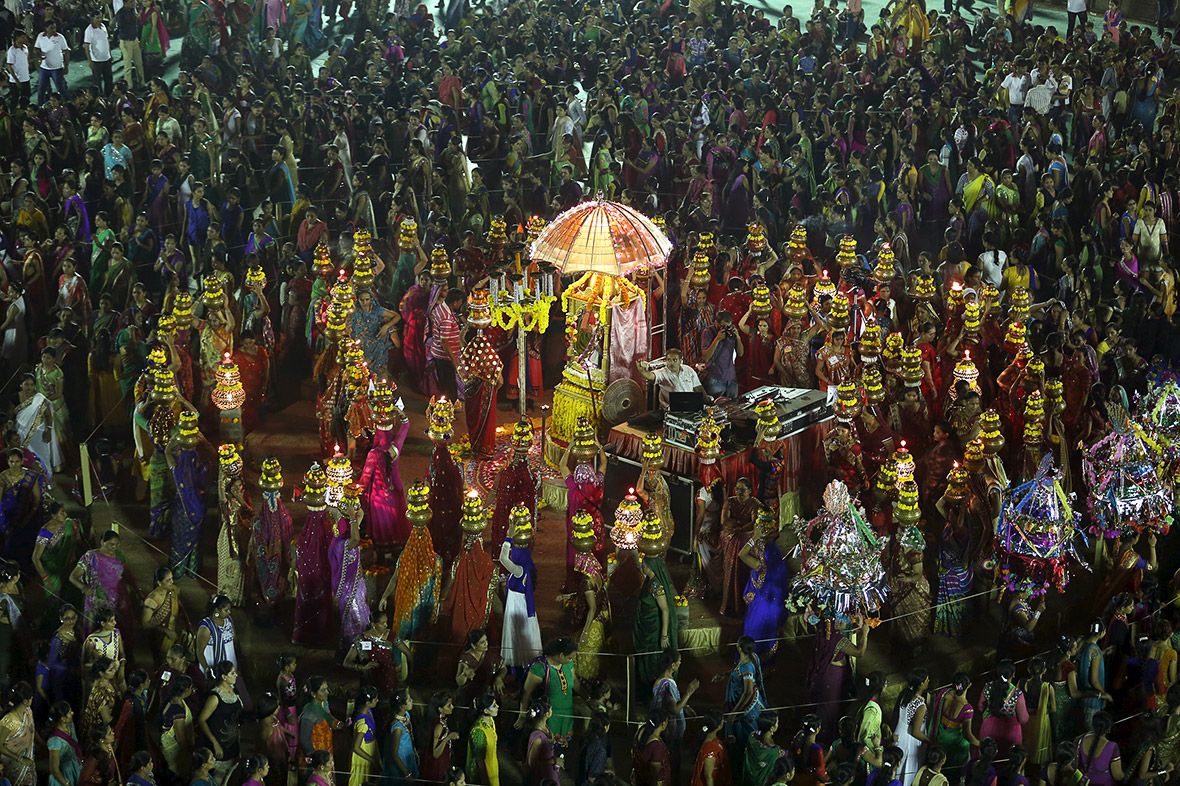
[765,593]
[348,581]
[190,476]
[469,602]
[313,594]
[272,543]
[419,581]
[384,495]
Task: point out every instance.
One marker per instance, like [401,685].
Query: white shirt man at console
[674,377]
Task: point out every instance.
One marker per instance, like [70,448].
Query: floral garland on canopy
[1125,492]
[1159,417]
[1036,534]
[841,574]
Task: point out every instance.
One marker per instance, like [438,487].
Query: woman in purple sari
[384,497]
[20,509]
[348,580]
[272,536]
[99,575]
[190,476]
[831,667]
[766,588]
[65,655]
[313,594]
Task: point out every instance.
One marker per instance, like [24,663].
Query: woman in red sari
[758,369]
[482,372]
[254,365]
[413,310]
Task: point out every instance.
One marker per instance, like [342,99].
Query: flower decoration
[755,238]
[628,523]
[228,392]
[885,270]
[1125,493]
[846,255]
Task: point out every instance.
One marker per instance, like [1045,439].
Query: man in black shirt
[127,30]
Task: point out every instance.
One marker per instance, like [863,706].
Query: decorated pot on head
[1015,337]
[440,419]
[989,432]
[956,483]
[975,455]
[362,271]
[906,510]
[214,292]
[350,500]
[760,306]
[418,504]
[520,526]
[873,384]
[849,403]
[583,445]
[891,352]
[440,264]
[653,450]
[755,238]
[474,520]
[256,277]
[497,235]
[797,250]
[522,435]
[795,306]
[707,242]
[708,445]
[885,484]
[840,316]
[315,487]
[271,477]
[903,462]
[582,528]
[229,460]
[923,288]
[652,539]
[163,385]
[479,309]
[534,227]
[336,321]
[972,318]
[869,344]
[324,267]
[824,287]
[166,326]
[766,524]
[700,271]
[768,428]
[407,237]
[182,310]
[885,270]
[188,434]
[911,367]
[846,255]
[1054,396]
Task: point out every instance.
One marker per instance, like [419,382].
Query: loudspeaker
[622,474]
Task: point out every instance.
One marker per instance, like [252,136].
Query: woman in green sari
[656,627]
[54,556]
[153,37]
[762,754]
[951,725]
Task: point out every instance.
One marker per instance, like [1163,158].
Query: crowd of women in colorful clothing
[158,232]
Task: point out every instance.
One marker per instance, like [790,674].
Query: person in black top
[127,29]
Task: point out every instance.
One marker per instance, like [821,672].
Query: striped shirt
[444,333]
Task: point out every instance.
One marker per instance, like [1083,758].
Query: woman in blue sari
[20,510]
[745,695]
[766,588]
[371,325]
[190,477]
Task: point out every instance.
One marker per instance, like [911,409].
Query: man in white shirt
[97,45]
[17,64]
[674,377]
[1017,84]
[55,59]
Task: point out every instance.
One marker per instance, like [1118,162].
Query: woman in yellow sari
[910,15]
[17,736]
[978,191]
[596,604]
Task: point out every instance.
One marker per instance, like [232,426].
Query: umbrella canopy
[601,237]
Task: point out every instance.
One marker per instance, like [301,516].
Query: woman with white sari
[34,423]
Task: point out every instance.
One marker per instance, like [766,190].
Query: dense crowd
[974,168]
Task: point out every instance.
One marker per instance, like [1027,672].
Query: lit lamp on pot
[755,238]
[628,520]
[474,520]
[228,396]
[440,419]
[338,475]
[904,463]
[823,288]
[974,455]
[965,371]
[956,483]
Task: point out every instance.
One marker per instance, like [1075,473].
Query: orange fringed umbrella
[601,237]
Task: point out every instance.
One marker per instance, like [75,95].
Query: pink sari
[384,496]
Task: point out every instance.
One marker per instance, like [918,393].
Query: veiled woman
[584,493]
[656,625]
[188,455]
[271,537]
[348,575]
[34,425]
